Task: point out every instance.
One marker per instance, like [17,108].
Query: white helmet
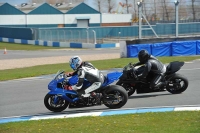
[75,62]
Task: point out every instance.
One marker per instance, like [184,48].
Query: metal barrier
[115,34]
[68,35]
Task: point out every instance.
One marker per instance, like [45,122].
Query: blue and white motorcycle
[62,96]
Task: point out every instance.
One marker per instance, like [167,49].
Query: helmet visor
[72,66]
[74,63]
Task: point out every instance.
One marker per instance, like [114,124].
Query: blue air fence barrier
[161,49]
[180,48]
[198,47]
[132,50]
[176,48]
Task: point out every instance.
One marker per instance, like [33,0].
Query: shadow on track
[152,95]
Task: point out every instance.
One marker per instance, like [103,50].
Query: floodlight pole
[177,18]
[140,18]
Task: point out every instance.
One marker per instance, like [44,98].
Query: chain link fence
[67,35]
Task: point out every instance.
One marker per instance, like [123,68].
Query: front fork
[55,99]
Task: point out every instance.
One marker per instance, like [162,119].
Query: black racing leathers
[154,66]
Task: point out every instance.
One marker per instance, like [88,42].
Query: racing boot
[97,96]
[80,93]
[160,85]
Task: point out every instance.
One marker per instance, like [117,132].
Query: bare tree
[128,5]
[109,5]
[144,7]
[182,10]
[135,10]
[147,8]
[98,4]
[165,8]
[152,10]
[193,10]
[155,11]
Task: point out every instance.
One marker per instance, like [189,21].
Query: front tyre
[119,97]
[177,84]
[127,86]
[55,103]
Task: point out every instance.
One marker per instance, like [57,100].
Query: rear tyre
[177,84]
[119,94]
[60,105]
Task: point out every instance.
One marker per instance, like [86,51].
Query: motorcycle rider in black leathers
[85,70]
[151,66]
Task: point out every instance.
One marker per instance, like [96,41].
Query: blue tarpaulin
[161,49]
[198,47]
[180,48]
[132,50]
[176,48]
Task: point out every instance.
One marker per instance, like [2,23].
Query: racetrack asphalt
[101,113]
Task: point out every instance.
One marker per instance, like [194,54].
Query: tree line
[152,9]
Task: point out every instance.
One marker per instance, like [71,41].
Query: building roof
[7,9]
[64,7]
[83,8]
[27,7]
[45,8]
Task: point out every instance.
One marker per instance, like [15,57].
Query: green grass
[15,46]
[101,64]
[166,122]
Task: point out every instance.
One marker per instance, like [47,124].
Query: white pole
[95,39]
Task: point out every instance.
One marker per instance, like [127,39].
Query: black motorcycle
[174,83]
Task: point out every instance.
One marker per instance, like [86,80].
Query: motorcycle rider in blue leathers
[151,65]
[85,70]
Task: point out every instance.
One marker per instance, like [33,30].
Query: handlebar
[131,67]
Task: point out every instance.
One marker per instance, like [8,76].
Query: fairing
[174,67]
[111,77]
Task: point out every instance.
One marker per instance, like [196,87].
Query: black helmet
[143,56]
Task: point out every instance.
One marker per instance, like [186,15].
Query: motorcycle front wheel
[55,103]
[177,84]
[116,97]
[127,86]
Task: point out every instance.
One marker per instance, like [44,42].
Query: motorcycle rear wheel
[60,105]
[114,90]
[177,84]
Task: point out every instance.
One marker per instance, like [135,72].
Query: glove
[137,78]
[68,74]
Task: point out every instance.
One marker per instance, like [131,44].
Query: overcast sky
[13,2]
[17,2]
